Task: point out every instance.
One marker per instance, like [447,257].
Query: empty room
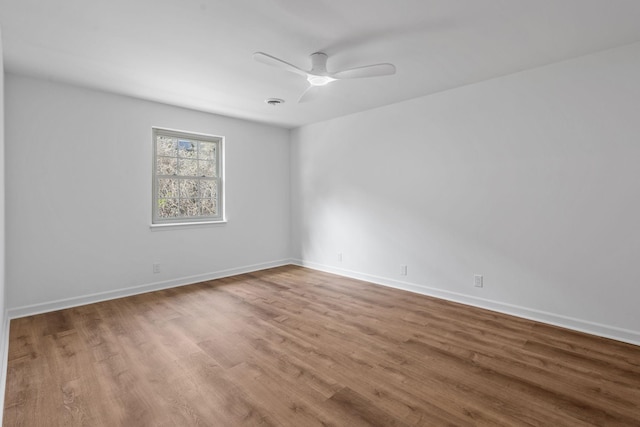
[320,213]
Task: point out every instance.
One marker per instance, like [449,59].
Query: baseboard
[29,310]
[606,331]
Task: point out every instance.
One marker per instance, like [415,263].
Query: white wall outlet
[477,280]
[156,268]
[339,256]
[403,270]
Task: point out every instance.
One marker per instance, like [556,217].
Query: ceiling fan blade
[366,71]
[278,63]
[310,94]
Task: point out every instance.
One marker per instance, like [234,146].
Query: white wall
[4,326]
[79,197]
[532,180]
[2,197]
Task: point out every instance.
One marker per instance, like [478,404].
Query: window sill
[179,225]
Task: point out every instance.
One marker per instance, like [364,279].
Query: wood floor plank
[291,346]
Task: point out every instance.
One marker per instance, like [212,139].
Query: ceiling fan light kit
[320,80]
[318,75]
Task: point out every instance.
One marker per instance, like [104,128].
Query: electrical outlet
[477,281]
[403,270]
[156,268]
[339,256]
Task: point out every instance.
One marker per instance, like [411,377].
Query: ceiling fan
[318,76]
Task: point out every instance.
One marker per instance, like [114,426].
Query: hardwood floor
[296,347]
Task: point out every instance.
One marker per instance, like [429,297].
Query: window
[187,177]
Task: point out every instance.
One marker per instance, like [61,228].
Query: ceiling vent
[274,101]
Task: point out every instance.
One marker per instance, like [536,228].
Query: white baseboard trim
[606,331]
[29,310]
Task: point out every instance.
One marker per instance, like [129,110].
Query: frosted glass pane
[167,188]
[206,168]
[208,207]
[189,188]
[166,146]
[208,189]
[188,207]
[188,167]
[207,150]
[167,166]
[168,208]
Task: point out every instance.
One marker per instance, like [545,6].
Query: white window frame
[156,221]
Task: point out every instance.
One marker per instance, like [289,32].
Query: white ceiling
[198,53]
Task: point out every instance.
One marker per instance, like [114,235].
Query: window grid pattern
[187,182]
